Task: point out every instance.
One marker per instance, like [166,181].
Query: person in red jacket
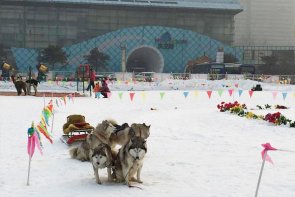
[91,79]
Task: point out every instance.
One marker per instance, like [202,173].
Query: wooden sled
[74,131]
[75,136]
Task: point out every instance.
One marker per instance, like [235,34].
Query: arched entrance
[145,59]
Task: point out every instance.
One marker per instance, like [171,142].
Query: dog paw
[98,182]
[133,179]
[139,181]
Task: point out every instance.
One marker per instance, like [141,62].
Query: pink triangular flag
[274,95]
[236,85]
[264,154]
[250,93]
[109,94]
[230,92]
[209,92]
[131,94]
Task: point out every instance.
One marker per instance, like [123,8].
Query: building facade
[265,23]
[159,28]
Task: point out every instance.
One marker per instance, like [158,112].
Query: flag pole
[43,100]
[260,175]
[52,122]
[28,179]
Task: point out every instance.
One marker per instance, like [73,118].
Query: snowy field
[193,149]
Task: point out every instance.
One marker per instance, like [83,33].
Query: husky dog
[104,130]
[19,85]
[82,151]
[102,157]
[101,134]
[130,159]
[31,82]
[121,136]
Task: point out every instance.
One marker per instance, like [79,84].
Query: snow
[193,149]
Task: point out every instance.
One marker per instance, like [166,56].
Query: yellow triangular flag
[196,93]
[143,95]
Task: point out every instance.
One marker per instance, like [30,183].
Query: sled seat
[76,129]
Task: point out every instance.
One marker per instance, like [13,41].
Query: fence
[159,77]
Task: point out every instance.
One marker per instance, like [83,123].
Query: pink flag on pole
[109,94]
[33,141]
[31,146]
[267,147]
[236,85]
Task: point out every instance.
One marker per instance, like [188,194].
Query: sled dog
[82,151]
[19,85]
[31,82]
[101,134]
[102,157]
[130,159]
[121,137]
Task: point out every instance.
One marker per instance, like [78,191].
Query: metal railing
[159,77]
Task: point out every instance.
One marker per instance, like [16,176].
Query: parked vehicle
[211,68]
[145,76]
[102,76]
[240,69]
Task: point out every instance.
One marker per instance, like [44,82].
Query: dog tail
[73,152]
[112,121]
[13,79]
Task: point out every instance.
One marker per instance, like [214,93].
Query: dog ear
[104,124]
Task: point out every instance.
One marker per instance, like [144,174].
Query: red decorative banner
[131,94]
[250,93]
[209,92]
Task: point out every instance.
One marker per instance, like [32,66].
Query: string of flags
[195,93]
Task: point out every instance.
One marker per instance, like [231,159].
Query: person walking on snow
[91,79]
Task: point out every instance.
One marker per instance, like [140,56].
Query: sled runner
[75,129]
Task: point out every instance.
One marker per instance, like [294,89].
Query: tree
[97,59]
[52,55]
[3,53]
[230,58]
[271,64]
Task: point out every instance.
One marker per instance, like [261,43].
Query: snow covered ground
[193,150]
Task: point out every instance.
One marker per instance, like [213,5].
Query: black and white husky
[102,158]
[130,160]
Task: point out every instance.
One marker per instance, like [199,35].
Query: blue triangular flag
[284,95]
[240,92]
[185,94]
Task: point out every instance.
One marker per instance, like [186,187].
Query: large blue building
[155,35]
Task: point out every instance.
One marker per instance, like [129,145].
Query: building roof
[195,4]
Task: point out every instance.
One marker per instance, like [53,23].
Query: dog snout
[97,163]
[137,158]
